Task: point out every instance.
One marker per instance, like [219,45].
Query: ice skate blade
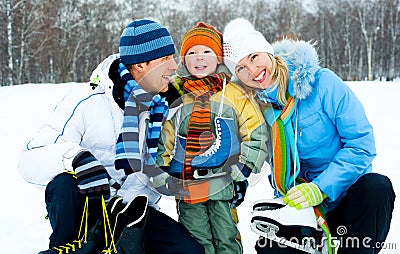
[207,173]
[269,231]
[275,220]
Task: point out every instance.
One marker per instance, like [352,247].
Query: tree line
[64,40]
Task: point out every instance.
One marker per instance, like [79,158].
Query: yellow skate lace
[107,227]
[82,236]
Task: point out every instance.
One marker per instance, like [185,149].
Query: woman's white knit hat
[241,39]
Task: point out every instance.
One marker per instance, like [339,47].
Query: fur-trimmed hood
[303,63]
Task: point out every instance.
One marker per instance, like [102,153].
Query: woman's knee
[375,187]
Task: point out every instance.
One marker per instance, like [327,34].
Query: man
[74,152]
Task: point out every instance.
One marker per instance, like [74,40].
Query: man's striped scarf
[127,148]
[285,153]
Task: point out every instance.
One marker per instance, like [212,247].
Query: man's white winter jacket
[87,118]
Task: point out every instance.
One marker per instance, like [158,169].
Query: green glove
[304,195]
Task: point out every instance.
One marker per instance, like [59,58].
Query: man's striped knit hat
[144,40]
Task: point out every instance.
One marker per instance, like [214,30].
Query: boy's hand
[239,193]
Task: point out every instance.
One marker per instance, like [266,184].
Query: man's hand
[92,177]
[169,185]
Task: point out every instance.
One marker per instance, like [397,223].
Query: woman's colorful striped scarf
[284,148]
[286,163]
[199,135]
[127,148]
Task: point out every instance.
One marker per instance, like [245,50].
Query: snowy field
[23,228]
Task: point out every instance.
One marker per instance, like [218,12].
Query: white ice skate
[275,220]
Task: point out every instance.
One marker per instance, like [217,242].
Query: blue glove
[239,189]
[92,177]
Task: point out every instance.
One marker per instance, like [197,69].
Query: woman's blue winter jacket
[335,141]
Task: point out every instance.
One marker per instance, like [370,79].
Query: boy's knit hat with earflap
[240,40]
[144,40]
[202,34]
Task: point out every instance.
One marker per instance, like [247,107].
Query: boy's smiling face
[201,61]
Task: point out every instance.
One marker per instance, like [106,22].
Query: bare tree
[10,43]
[369,27]
[394,34]
[28,25]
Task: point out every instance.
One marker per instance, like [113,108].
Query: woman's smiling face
[254,70]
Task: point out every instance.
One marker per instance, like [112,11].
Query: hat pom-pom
[237,27]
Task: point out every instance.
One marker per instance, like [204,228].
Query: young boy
[211,145]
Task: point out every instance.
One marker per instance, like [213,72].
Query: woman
[320,134]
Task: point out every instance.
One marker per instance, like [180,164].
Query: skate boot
[275,220]
[95,241]
[132,216]
[225,146]
[131,221]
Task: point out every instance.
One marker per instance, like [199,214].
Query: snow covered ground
[23,228]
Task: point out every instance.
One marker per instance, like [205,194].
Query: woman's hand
[304,195]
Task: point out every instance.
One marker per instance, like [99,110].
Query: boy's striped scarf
[285,154]
[127,148]
[199,135]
